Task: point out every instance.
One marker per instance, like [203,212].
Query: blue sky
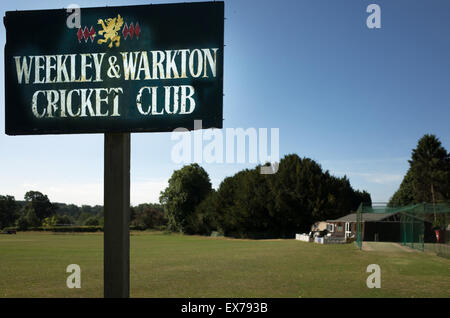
[354,99]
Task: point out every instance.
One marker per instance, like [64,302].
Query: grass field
[34,265]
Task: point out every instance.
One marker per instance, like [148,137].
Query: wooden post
[116,242]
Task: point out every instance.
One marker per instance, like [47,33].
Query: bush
[92,221]
[137,228]
[76,229]
[147,216]
[22,223]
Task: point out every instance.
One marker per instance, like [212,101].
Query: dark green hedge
[74,228]
[60,229]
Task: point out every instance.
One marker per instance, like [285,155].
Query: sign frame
[208,109]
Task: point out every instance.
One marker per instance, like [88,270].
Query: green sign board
[148,68]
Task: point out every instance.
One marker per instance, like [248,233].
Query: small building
[319,226]
[384,227]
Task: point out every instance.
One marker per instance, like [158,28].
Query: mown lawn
[34,265]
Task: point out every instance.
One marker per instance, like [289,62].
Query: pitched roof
[370,217]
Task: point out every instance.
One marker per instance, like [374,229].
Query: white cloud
[366,161]
[380,178]
[384,178]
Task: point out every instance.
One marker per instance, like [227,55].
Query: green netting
[359,226]
[424,226]
[412,231]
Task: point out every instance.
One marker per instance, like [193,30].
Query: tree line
[36,211]
[254,205]
[248,204]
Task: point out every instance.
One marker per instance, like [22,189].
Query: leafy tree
[22,223]
[253,205]
[430,166]
[82,218]
[205,215]
[428,178]
[243,205]
[57,220]
[49,221]
[28,218]
[64,220]
[147,216]
[40,204]
[250,204]
[363,197]
[304,194]
[70,210]
[8,210]
[188,186]
[405,193]
[92,221]
[292,188]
